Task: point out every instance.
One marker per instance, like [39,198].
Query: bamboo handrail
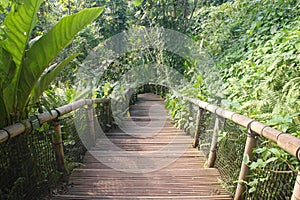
[287,142]
[20,127]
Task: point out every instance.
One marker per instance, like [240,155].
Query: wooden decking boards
[183,178]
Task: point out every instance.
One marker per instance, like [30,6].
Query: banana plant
[24,63]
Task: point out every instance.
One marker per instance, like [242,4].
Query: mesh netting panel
[191,118]
[276,182]
[279,185]
[155,89]
[230,154]
[206,132]
[104,116]
[73,146]
[188,119]
[27,166]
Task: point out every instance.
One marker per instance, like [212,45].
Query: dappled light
[149,99]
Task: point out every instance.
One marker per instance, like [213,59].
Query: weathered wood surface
[185,178]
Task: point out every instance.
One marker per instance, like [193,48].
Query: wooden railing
[285,141]
[52,116]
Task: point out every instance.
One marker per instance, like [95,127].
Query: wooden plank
[194,197]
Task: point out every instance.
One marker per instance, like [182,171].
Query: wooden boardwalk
[158,162]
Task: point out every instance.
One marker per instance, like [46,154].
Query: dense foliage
[255,46]
[27,66]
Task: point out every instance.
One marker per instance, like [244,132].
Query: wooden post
[213,148]
[58,148]
[296,191]
[190,115]
[251,143]
[102,112]
[163,91]
[108,114]
[135,97]
[160,91]
[198,124]
[91,124]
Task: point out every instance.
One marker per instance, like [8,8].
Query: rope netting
[28,167]
[230,150]
[277,182]
[27,162]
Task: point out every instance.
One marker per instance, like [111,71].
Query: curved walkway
[163,166]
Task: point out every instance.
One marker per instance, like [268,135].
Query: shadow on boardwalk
[182,178]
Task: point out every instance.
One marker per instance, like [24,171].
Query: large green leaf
[7,72]
[3,116]
[7,69]
[47,78]
[18,26]
[47,47]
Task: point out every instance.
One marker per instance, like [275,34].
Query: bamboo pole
[251,143]
[109,114]
[198,124]
[58,147]
[296,191]
[106,116]
[20,127]
[287,142]
[213,147]
[90,115]
[188,117]
[160,90]
[163,91]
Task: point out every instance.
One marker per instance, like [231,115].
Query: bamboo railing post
[58,147]
[135,96]
[190,115]
[213,147]
[198,124]
[102,105]
[91,123]
[160,91]
[296,191]
[251,143]
[108,114]
[163,91]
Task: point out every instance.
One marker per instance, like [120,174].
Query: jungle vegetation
[255,46]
